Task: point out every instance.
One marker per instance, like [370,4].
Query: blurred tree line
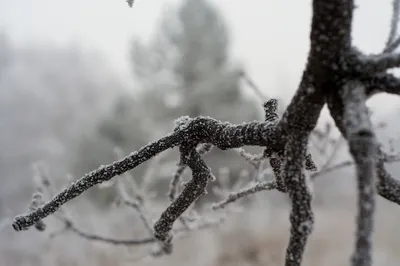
[49,98]
[65,106]
[184,69]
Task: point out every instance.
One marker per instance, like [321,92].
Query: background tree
[187,61]
[49,97]
[184,69]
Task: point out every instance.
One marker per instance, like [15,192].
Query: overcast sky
[270,37]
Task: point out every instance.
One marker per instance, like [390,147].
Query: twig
[173,187]
[253,160]
[387,186]
[392,43]
[129,242]
[193,189]
[259,186]
[301,216]
[200,129]
[113,241]
[253,85]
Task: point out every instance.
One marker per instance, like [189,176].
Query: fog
[85,82]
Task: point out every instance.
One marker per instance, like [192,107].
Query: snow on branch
[173,187]
[103,173]
[326,168]
[379,63]
[387,186]
[301,215]
[190,132]
[252,189]
[393,42]
[126,196]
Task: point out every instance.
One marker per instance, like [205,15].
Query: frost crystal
[182,122]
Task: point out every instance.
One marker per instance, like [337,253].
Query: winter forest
[190,159]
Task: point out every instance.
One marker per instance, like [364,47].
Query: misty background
[79,79]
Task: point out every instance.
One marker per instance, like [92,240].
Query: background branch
[392,42]
[363,147]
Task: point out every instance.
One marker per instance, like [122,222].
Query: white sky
[270,37]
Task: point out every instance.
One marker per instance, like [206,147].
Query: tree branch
[344,164]
[252,189]
[193,190]
[330,38]
[363,146]
[103,173]
[173,186]
[327,168]
[387,186]
[301,216]
[378,63]
[69,225]
[193,130]
[93,237]
[382,82]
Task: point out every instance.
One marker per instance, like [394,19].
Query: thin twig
[232,197]
[392,43]
[253,86]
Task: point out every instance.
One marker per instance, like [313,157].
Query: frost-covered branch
[379,63]
[103,173]
[363,147]
[174,184]
[383,82]
[70,226]
[349,163]
[192,131]
[387,186]
[44,187]
[195,188]
[252,189]
[327,167]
